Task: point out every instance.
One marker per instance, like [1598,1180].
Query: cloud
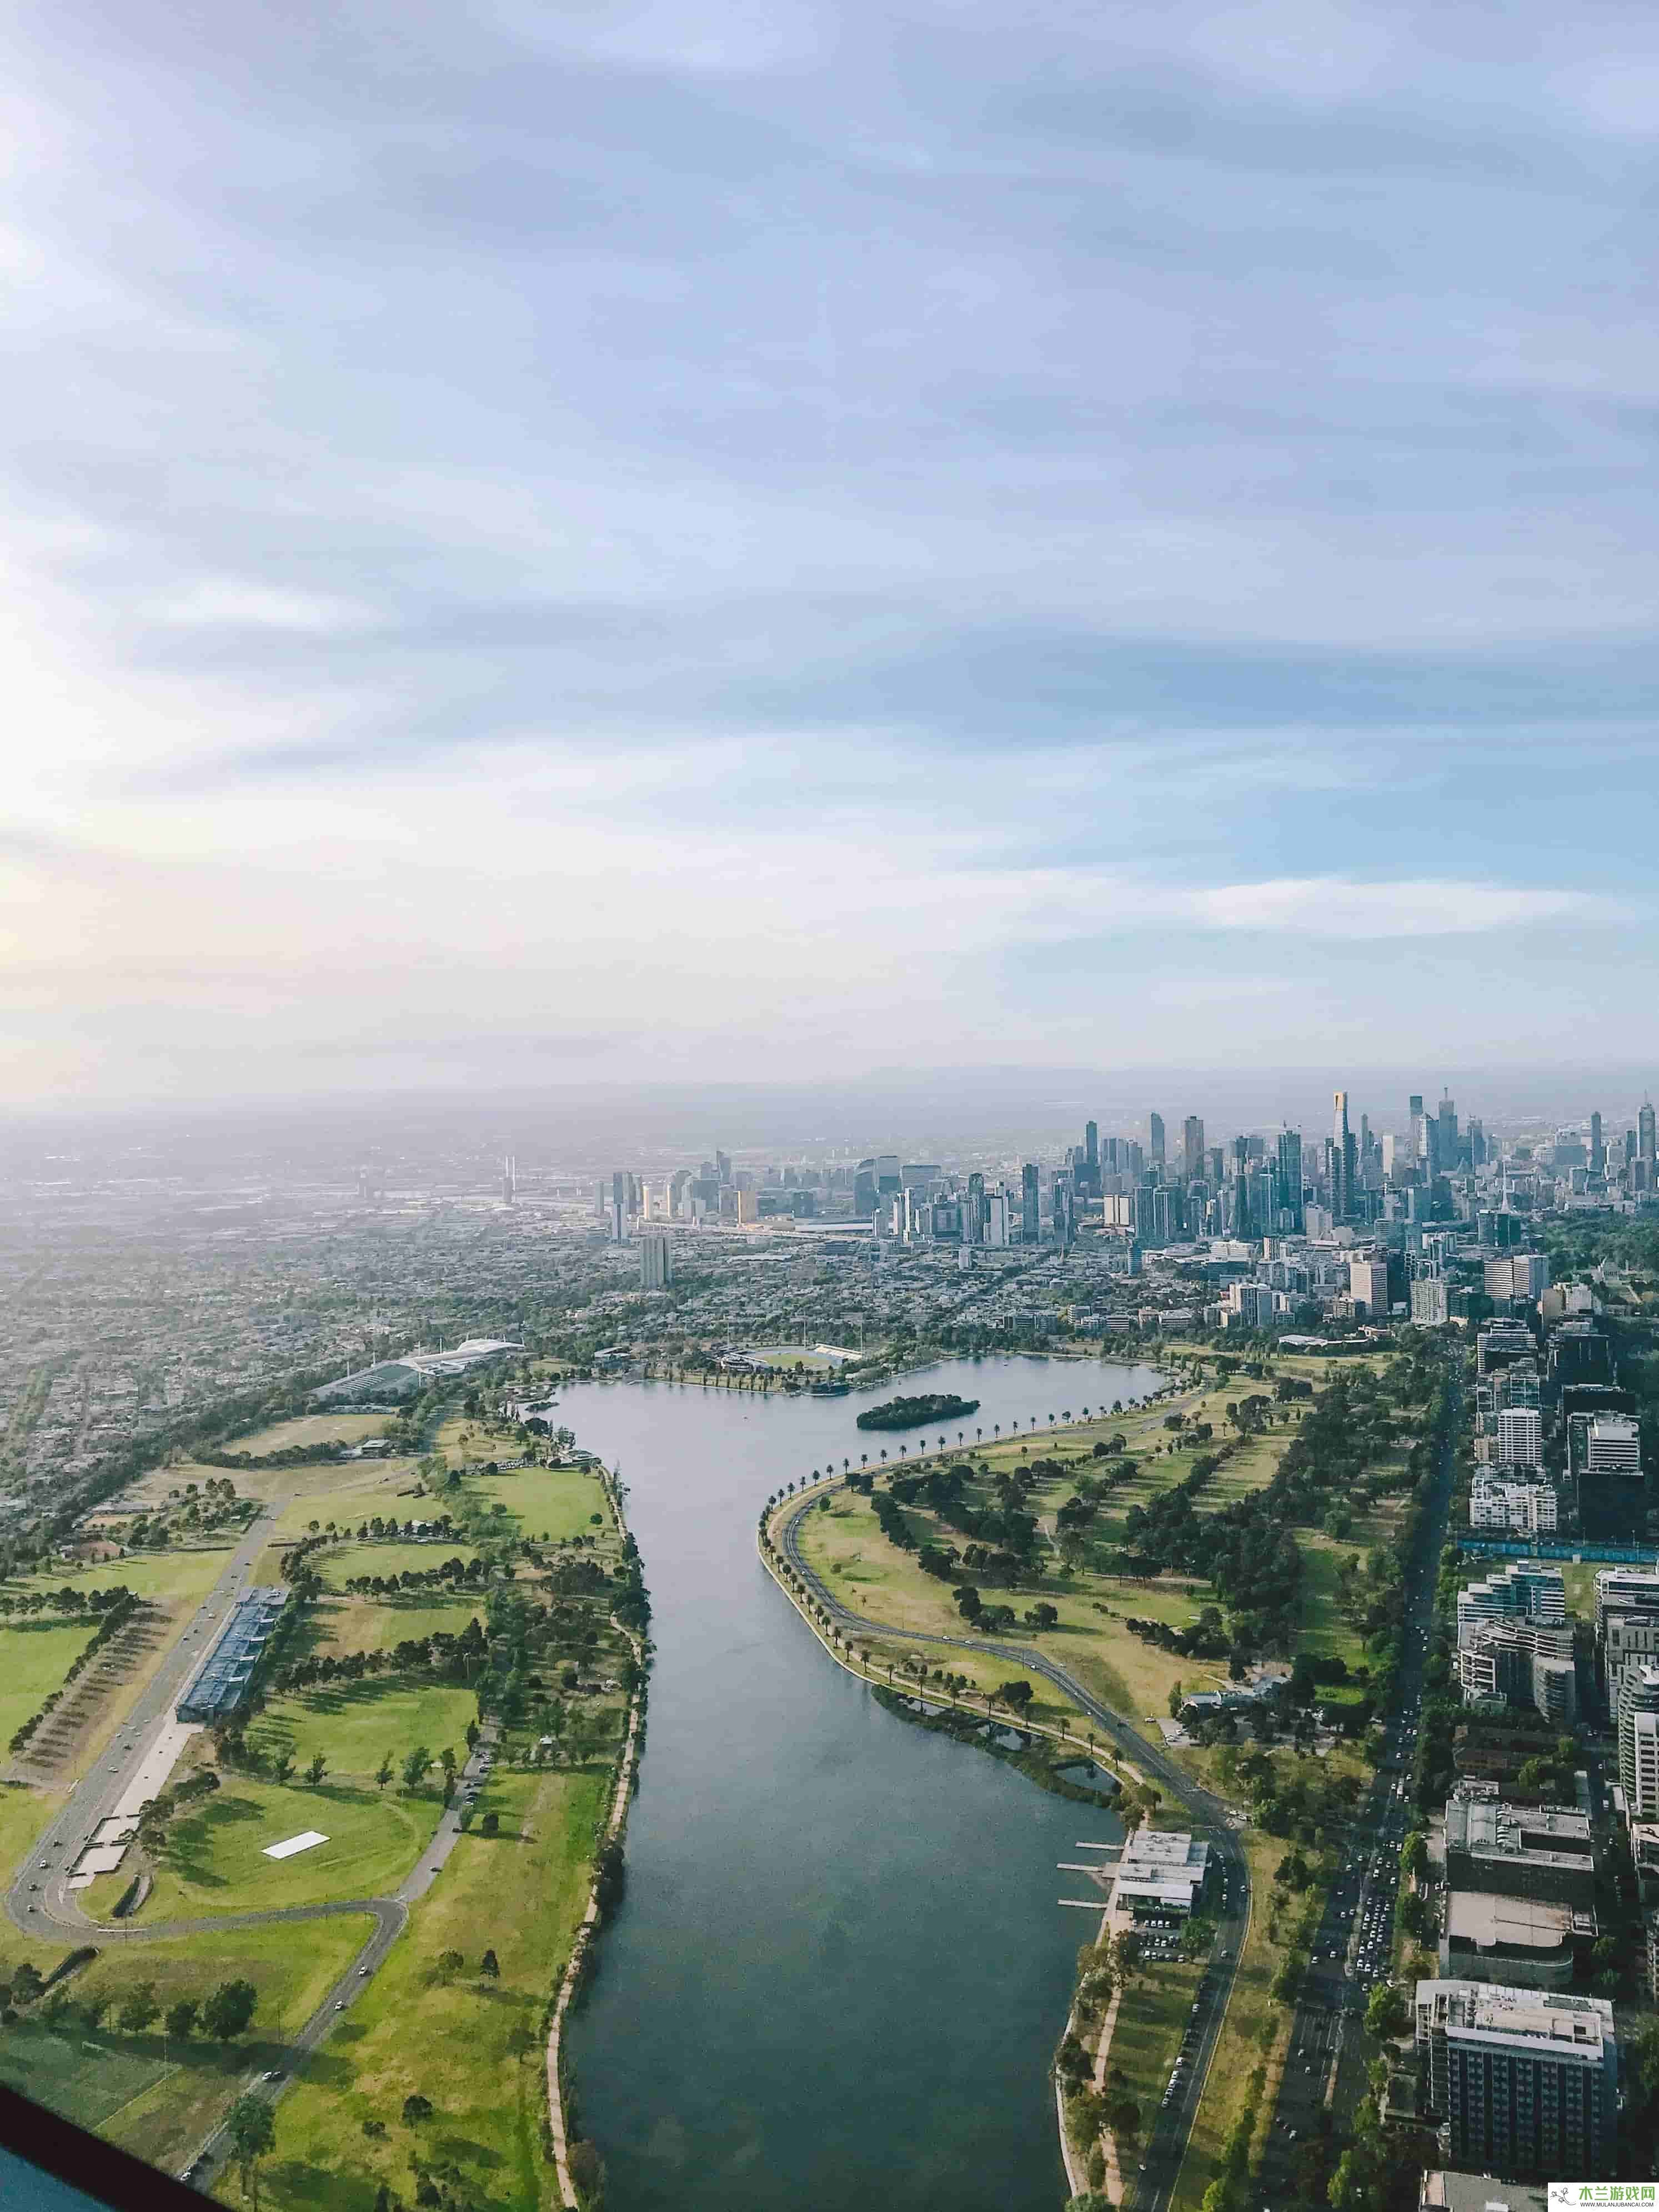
[918,526]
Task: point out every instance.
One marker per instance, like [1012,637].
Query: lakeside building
[1520,2082]
[1162,1871]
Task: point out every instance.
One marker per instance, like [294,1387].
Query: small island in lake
[917,1413]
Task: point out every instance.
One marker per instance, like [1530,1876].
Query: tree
[382,1772]
[491,1824]
[417,2108]
[253,2135]
[26,1984]
[415,1766]
[1018,1695]
[281,1766]
[317,1769]
[230,2011]
[181,2022]
[1388,2013]
[490,1965]
[138,2009]
[450,1962]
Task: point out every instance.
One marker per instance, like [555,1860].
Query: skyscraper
[1091,1158]
[1448,1139]
[1598,1150]
[1644,1139]
[975,1215]
[1419,1147]
[1155,1123]
[1342,1158]
[1030,1220]
[1288,1165]
[656,1261]
[1192,1148]
[1064,1201]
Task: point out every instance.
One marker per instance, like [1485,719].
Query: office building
[1644,1142]
[1613,1446]
[996,1220]
[1520,1851]
[1638,1744]
[1629,1642]
[1522,2083]
[1446,1145]
[1524,1942]
[1368,1286]
[1155,1140]
[1091,1158]
[1598,1150]
[1192,1148]
[1431,1306]
[1624,1589]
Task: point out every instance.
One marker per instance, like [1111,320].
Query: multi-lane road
[1329,2057]
[1149,2187]
[40,1903]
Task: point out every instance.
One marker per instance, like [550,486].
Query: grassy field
[177,1578]
[362,1624]
[338,1566]
[352,1723]
[1151,2018]
[33,1660]
[159,2097]
[214,1860]
[309,1429]
[471,2045]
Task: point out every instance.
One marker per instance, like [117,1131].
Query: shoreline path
[1150,2189]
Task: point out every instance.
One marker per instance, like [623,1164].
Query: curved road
[1150,2189]
[39,1904]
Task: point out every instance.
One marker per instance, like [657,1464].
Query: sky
[755,543]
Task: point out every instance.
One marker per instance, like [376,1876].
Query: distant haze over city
[925,1111]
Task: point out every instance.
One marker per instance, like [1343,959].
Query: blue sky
[761,542]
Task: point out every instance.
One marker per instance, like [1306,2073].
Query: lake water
[841,1969]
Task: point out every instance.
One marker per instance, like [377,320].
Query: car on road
[340,2006]
[271,2074]
[363,1973]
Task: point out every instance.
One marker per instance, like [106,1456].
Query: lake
[841,1969]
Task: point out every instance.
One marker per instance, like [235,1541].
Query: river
[840,1967]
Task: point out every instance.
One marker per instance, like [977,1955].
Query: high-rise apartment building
[1030,1217]
[656,1261]
[1522,2082]
[1526,1591]
[1638,1743]
[1446,1146]
[1342,1159]
[1521,1436]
